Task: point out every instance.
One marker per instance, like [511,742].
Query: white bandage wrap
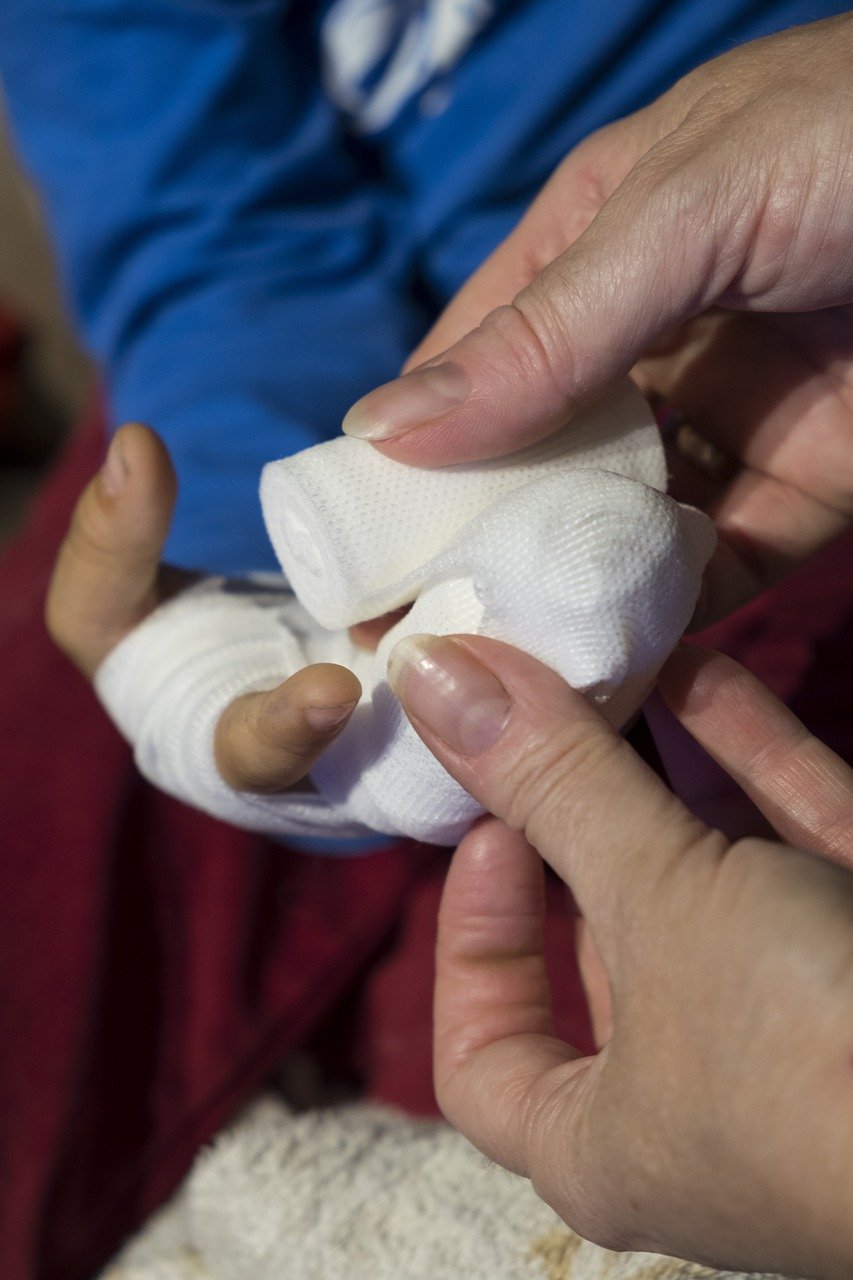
[570,551]
[166,685]
[356,532]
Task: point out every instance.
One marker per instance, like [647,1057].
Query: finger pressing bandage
[569,550]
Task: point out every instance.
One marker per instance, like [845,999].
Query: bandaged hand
[708,236]
[570,550]
[716,1123]
[109,580]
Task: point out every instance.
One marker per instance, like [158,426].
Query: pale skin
[705,243]
[716,1123]
[709,238]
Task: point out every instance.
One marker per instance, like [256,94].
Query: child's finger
[267,742]
[107,576]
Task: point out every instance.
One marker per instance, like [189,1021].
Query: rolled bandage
[570,550]
[592,573]
[355,531]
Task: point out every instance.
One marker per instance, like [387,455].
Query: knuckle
[550,776]
[546,312]
[524,343]
[557,1104]
[821,804]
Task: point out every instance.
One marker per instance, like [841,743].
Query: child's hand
[108,579]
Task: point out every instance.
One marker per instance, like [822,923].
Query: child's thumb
[107,576]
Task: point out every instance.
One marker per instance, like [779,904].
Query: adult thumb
[650,258]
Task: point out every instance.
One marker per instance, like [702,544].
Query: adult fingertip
[690,676]
[411,401]
[441,684]
[489,395]
[536,754]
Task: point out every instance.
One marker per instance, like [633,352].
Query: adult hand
[717,1121]
[729,199]
[108,578]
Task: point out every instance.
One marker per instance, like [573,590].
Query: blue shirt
[248,251]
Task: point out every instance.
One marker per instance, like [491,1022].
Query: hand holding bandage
[569,551]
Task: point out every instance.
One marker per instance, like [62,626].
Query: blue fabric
[242,265]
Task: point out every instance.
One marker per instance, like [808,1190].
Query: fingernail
[444,687]
[114,470]
[328,717]
[408,402]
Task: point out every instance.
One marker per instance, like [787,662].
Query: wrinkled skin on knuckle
[778,116]
[570,1168]
[550,775]
[585,180]
[694,185]
[517,344]
[800,231]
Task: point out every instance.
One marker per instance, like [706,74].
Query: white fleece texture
[364,1193]
[569,550]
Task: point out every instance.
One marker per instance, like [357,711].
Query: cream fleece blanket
[364,1193]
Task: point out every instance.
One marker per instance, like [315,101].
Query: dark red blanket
[156,966]
[11,349]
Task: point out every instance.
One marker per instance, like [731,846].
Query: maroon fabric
[11,350]
[155,965]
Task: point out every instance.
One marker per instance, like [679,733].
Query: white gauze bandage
[569,550]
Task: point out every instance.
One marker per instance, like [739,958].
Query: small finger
[802,788]
[266,742]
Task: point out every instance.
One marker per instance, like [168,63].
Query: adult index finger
[539,757]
